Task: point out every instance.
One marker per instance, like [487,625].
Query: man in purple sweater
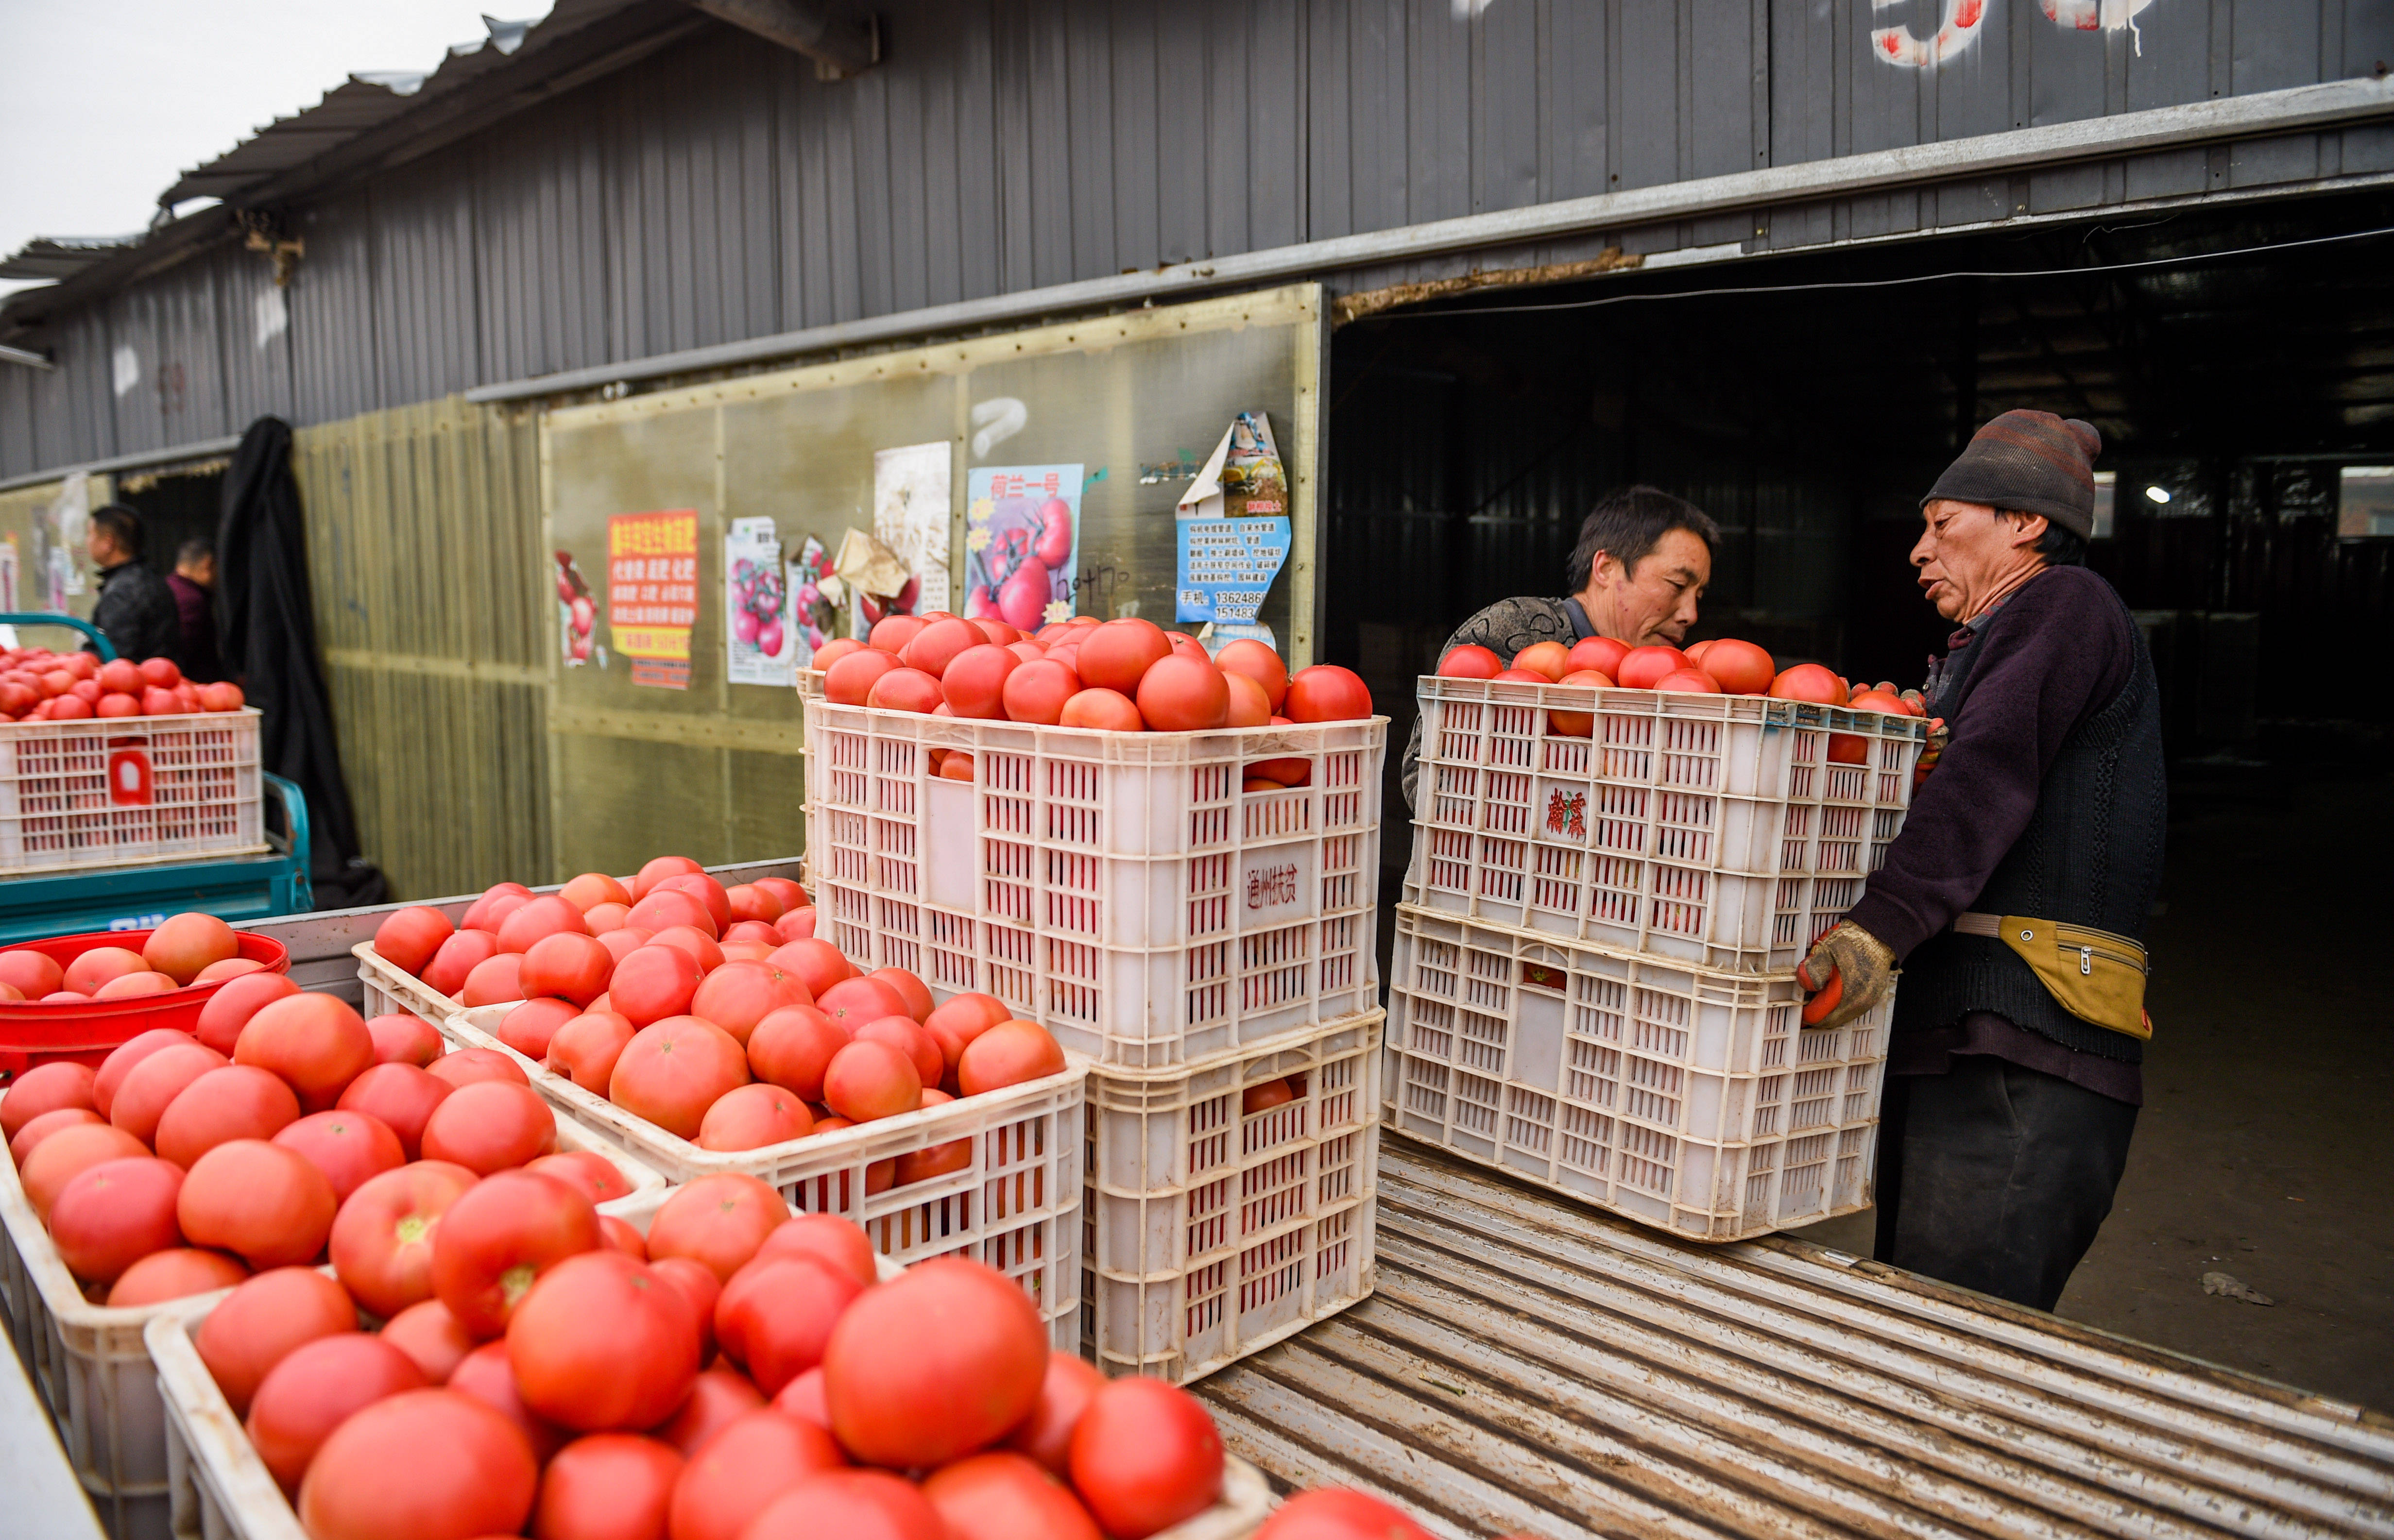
[2005,1120]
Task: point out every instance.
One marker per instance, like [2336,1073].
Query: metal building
[636,196]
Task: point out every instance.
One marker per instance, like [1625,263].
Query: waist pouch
[2095,975]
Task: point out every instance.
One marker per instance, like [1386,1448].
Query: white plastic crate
[1685,1096]
[220,1490]
[104,792]
[1120,888]
[1014,1206]
[1709,827]
[90,1367]
[1213,1233]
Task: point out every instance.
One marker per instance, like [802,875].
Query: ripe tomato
[470,1065]
[267,1203]
[966,1016]
[1689,682]
[527,1028]
[817,963]
[423,1465]
[792,1046]
[1848,749]
[666,907]
[602,1343]
[833,651]
[54,1087]
[1184,695]
[903,1397]
[131,986]
[264,1318]
[803,1398]
[913,992]
[233,1101]
[739,995]
[1469,662]
[751,1117]
[776,1312]
[611,924]
[401,1037]
[41,1128]
[457,957]
[1601,653]
[489,1126]
[569,966]
[1882,701]
[429,1334]
[1064,1392]
[703,948]
[1740,667]
[855,1505]
[719,1221]
[750,901]
[186,944]
[1641,668]
[853,1001]
[348,1147]
[1100,708]
[1335,1513]
[499,1236]
[792,896]
[121,1062]
[1145,1457]
[827,1238]
[593,888]
[593,1173]
[657,870]
[606,1485]
[938,645]
[66,1155]
[1115,656]
[906,689]
[735,1475]
[867,1080]
[231,968]
[1003,1495]
[1808,682]
[1249,708]
[93,968]
[115,1213]
[382,1237]
[317,1386]
[483,1374]
[586,1048]
[316,1042]
[1007,1054]
[1256,661]
[141,1097]
[973,682]
[176,1273]
[902,1033]
[706,890]
[1036,691]
[34,973]
[698,1281]
[1328,692]
[672,1071]
[494,981]
[1550,659]
[653,984]
[850,681]
[722,1396]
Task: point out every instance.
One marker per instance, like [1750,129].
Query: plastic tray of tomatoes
[111,791]
[36,1031]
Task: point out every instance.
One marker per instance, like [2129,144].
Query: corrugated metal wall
[424,554]
[716,191]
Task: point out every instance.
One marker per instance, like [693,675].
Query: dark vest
[2091,855]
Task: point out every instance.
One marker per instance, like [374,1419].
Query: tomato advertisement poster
[755,592]
[652,593]
[1022,544]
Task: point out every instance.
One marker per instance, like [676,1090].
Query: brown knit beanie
[2033,462]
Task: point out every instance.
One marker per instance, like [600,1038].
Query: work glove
[1939,736]
[1854,962]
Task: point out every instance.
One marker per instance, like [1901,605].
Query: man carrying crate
[2017,894]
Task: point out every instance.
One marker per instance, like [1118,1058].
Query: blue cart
[132,898]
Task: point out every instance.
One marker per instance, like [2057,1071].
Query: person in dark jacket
[1640,566]
[2006,1115]
[194,584]
[136,611]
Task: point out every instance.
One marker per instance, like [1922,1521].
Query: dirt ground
[2266,1146]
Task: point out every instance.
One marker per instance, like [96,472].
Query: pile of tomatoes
[189,1159]
[763,1037]
[37,684]
[186,951]
[1128,676]
[738,1374]
[1725,666]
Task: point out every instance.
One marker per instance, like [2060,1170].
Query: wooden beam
[840,44]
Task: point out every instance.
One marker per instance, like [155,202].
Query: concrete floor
[2266,1147]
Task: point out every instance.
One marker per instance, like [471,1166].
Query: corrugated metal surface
[716,191]
[1530,1366]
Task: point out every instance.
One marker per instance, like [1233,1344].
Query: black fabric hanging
[269,628]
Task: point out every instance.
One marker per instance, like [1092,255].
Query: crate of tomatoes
[1702,805]
[730,1373]
[257,1140]
[1159,855]
[953,1129]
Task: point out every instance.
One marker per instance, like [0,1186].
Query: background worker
[136,610]
[1640,564]
[194,584]
[2008,1103]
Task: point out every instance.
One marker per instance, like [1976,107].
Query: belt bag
[2095,975]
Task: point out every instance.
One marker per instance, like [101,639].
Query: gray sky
[107,102]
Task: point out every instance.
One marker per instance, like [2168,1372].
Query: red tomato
[186,944]
[718,1220]
[478,913]
[1808,682]
[892,633]
[602,1343]
[48,1123]
[264,1318]
[817,963]
[902,1033]
[119,677]
[1550,659]
[173,1274]
[1145,1457]
[490,1127]
[1848,749]
[231,968]
[471,1065]
[499,1237]
[1184,695]
[853,1001]
[483,1374]
[653,983]
[267,1203]
[737,1474]
[752,1116]
[457,957]
[1335,1513]
[792,1048]
[1469,662]
[1641,668]
[833,651]
[803,1398]
[903,1397]
[1003,1495]
[382,1238]
[792,896]
[775,1315]
[233,1101]
[672,1071]
[592,1173]
[749,901]
[498,907]
[1064,1392]
[159,673]
[1248,705]
[592,889]
[854,1505]
[45,1088]
[611,924]
[966,1016]
[527,1028]
[569,966]
[913,992]
[1328,692]
[827,1238]
[429,1334]
[850,681]
[1116,655]
[1256,661]
[607,1485]
[739,995]
[660,867]
[424,1465]
[706,890]
[66,1155]
[1741,668]
[115,1213]
[316,1042]
[935,647]
[130,985]
[974,683]
[1882,701]
[494,981]
[1007,1054]
[1688,682]
[96,966]
[722,1396]
[699,1281]
[703,948]
[866,1081]
[1109,711]
[318,1386]
[121,1062]
[141,1097]
[1601,653]
[32,973]
[586,1048]
[401,1037]
[348,1147]
[906,689]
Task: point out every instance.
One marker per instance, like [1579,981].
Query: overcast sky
[106,103]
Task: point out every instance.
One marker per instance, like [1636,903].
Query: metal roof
[57,257]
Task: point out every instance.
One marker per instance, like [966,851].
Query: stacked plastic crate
[1204,938]
[1595,961]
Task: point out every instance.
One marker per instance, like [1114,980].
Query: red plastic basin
[32,1033]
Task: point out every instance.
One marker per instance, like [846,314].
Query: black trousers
[1997,1177]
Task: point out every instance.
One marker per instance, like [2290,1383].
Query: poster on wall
[9,594]
[577,615]
[756,595]
[1022,544]
[652,593]
[1231,531]
[911,508]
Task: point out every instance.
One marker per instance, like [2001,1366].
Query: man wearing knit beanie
[2006,1113]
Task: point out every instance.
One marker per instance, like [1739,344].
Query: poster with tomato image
[652,593]
[755,592]
[577,615]
[1022,544]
